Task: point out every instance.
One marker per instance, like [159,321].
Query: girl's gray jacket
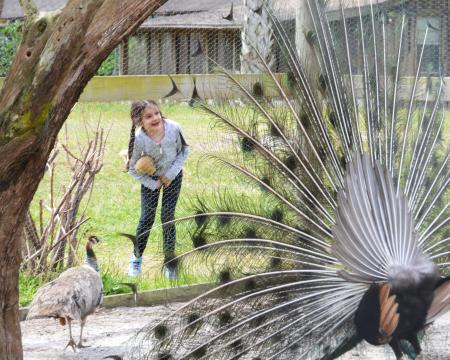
[169,155]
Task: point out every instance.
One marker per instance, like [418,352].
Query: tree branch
[29,8]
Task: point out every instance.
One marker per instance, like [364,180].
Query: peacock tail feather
[343,168]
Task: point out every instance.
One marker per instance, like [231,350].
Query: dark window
[428,37]
[213,41]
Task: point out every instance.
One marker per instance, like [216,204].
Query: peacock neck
[91,259]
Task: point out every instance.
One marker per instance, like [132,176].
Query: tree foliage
[10,37]
[111,65]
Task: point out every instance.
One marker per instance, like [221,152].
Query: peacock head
[93,240]
[91,259]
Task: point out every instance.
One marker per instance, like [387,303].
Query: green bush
[110,65]
[10,37]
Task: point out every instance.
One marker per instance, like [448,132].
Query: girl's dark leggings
[149,203]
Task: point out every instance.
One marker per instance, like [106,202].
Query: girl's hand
[165,181]
[158,184]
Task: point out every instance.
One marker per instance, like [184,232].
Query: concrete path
[108,332]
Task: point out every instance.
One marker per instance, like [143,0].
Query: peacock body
[341,232]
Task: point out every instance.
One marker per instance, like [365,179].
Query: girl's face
[151,118]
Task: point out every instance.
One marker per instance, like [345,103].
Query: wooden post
[207,52]
[123,51]
[221,52]
[148,53]
[183,53]
[233,44]
[237,49]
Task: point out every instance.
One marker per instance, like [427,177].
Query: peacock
[74,295]
[340,232]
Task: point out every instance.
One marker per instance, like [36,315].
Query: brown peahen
[74,295]
[340,233]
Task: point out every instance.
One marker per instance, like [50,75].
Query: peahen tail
[339,231]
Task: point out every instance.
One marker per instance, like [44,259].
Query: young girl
[162,140]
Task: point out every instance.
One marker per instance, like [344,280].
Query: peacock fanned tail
[339,232]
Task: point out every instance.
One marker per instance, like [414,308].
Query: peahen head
[91,259]
[93,240]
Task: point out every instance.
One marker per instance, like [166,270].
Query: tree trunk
[257,38]
[58,55]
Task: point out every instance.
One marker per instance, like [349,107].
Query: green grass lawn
[115,203]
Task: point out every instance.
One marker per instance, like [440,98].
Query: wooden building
[181,36]
[193,37]
[430,17]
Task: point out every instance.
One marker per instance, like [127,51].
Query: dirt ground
[108,332]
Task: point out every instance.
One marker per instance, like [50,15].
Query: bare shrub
[53,243]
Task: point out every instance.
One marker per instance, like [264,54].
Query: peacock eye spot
[161,331]
[164,356]
[258,90]
[200,218]
[225,318]
[236,345]
[224,276]
[250,285]
[275,262]
[200,352]
[198,240]
[193,318]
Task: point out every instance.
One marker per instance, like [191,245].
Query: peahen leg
[71,342]
[80,342]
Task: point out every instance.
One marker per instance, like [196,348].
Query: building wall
[129,88]
[208,86]
[182,51]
